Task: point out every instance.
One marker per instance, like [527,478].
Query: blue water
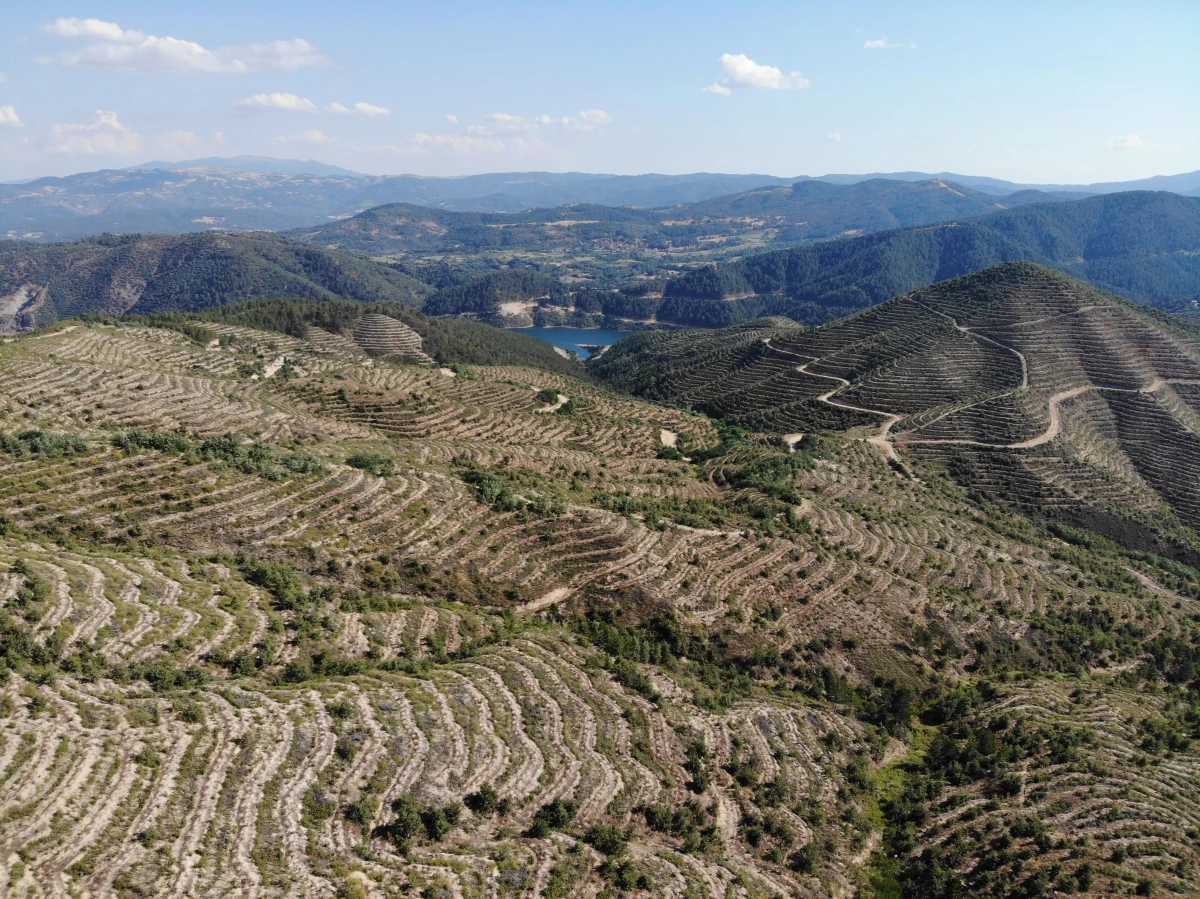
[571,338]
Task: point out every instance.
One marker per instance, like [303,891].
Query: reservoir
[570,339]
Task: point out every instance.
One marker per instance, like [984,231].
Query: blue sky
[1027,91]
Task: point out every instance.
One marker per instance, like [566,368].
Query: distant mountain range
[791,213]
[1187,183]
[260,193]
[261,164]
[1142,245]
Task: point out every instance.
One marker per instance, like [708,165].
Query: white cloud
[278,103]
[742,72]
[105,136]
[364,109]
[284,55]
[502,133]
[113,47]
[1132,142]
[283,102]
[458,144]
[504,123]
[92,28]
[587,120]
[835,136]
[3,78]
[884,44]
[312,136]
[9,118]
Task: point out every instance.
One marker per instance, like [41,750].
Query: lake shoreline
[582,342]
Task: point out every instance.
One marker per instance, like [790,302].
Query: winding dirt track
[882,439]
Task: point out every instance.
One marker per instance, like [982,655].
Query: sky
[1044,92]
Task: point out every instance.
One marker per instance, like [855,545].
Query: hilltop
[1031,386]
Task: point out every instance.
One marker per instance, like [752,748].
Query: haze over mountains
[793,213]
[247,193]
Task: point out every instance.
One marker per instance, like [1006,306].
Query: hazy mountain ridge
[804,211]
[246,193]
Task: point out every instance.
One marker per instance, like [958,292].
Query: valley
[436,462]
[315,583]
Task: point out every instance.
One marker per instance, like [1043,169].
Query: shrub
[606,838]
[439,821]
[806,859]
[42,443]
[168,442]
[351,889]
[279,580]
[485,801]
[553,816]
[406,826]
[374,463]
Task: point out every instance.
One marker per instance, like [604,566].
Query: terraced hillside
[1029,384]
[280,618]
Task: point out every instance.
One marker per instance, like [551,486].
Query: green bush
[555,815]
[42,443]
[374,463]
[168,442]
[278,579]
[606,838]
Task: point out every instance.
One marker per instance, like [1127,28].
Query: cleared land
[364,626]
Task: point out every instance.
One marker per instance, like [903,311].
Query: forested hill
[1141,245]
[114,274]
[817,209]
[446,341]
[792,213]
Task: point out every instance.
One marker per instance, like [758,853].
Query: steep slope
[348,626]
[134,273]
[1145,246]
[1042,387]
